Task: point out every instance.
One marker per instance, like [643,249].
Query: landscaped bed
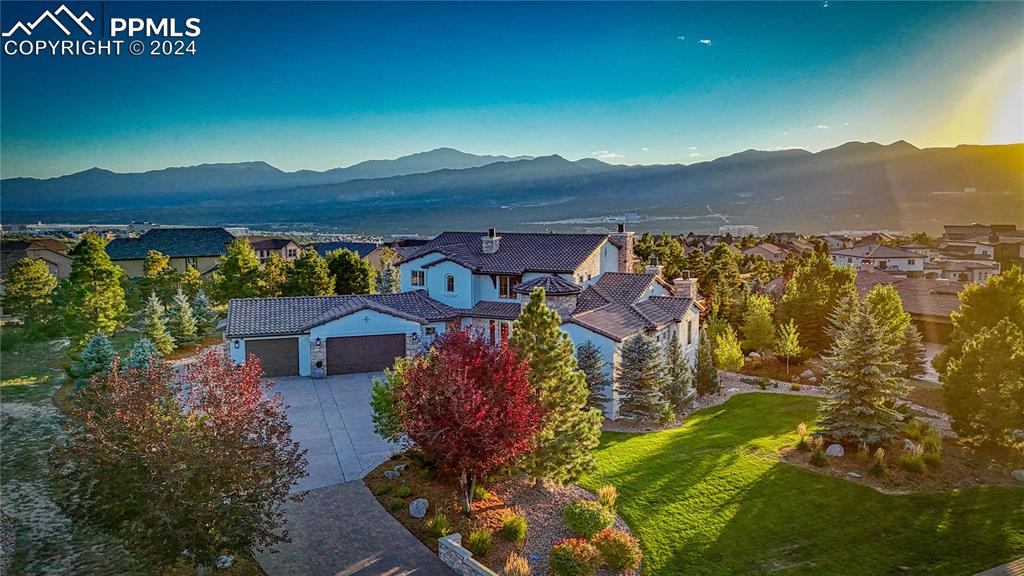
[714,497]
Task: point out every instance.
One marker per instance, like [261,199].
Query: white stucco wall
[609,350]
[364,323]
[902,264]
[462,296]
[406,268]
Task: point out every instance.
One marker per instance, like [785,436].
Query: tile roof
[295,315]
[612,306]
[360,248]
[553,285]
[920,296]
[875,251]
[264,243]
[496,310]
[517,252]
[172,242]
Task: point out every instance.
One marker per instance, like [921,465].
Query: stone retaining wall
[451,552]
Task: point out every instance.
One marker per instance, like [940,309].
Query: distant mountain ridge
[854,186]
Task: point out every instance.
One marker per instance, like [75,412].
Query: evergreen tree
[642,379]
[206,318]
[182,320]
[140,355]
[352,274]
[308,276]
[728,354]
[912,353]
[95,358]
[155,325]
[758,328]
[92,298]
[885,305]
[570,430]
[814,290]
[158,275]
[239,274]
[863,379]
[592,363]
[28,292]
[276,272]
[191,282]
[788,343]
[707,374]
[679,377]
[696,263]
[388,280]
[721,281]
[155,263]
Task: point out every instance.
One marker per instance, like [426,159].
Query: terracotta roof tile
[517,252]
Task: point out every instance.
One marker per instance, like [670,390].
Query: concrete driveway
[331,419]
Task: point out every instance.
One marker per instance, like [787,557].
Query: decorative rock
[392,474]
[754,356]
[1018,475]
[400,468]
[732,390]
[812,379]
[853,474]
[225,562]
[807,373]
[835,451]
[418,507]
[909,445]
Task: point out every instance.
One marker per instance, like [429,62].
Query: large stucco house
[200,248]
[472,280]
[880,257]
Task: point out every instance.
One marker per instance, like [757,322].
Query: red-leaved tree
[467,403]
[198,465]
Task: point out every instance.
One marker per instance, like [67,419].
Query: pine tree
[140,355]
[239,274]
[308,276]
[911,352]
[788,343]
[728,354]
[592,363]
[388,280]
[679,381]
[642,379]
[758,328]
[206,318]
[158,275]
[156,325]
[352,274]
[570,430]
[707,374]
[28,292]
[814,290]
[95,358]
[92,298]
[275,273]
[863,379]
[191,281]
[183,320]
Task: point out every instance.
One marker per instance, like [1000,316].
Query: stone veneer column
[317,354]
[412,345]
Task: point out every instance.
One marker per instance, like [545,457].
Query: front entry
[354,354]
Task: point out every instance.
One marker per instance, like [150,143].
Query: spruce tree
[239,273]
[788,343]
[388,279]
[758,328]
[911,352]
[308,276]
[155,325]
[642,379]
[140,355]
[182,320]
[679,381]
[707,374]
[863,380]
[592,363]
[95,358]
[206,318]
[570,430]
[92,298]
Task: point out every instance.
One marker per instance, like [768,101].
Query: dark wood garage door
[363,353]
[278,356]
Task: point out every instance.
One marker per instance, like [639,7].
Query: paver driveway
[331,419]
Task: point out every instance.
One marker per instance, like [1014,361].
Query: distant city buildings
[738,229]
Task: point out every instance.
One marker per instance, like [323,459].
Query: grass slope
[711,497]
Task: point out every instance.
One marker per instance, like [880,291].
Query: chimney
[490,242]
[625,241]
[653,267]
[685,286]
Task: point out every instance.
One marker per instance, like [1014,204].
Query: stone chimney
[653,267]
[625,240]
[490,242]
[685,286]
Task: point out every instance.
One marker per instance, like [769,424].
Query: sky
[321,85]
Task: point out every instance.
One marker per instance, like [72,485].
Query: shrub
[586,517]
[818,457]
[619,550]
[395,503]
[428,473]
[913,460]
[932,459]
[516,565]
[801,431]
[763,382]
[794,387]
[440,525]
[878,466]
[382,489]
[607,495]
[573,557]
[863,454]
[513,528]
[932,442]
[479,542]
[403,491]
[917,430]
[667,415]
[480,493]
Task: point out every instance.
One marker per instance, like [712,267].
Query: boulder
[418,507]
[392,474]
[807,373]
[400,468]
[853,474]
[225,562]
[835,450]
[909,445]
[1018,475]
[754,356]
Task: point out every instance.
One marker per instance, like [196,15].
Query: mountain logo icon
[26,28]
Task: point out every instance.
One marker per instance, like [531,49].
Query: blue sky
[321,85]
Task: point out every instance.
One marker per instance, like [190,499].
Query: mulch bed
[929,396]
[775,369]
[542,508]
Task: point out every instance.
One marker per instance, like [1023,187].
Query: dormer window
[505,285]
[449,283]
[419,278]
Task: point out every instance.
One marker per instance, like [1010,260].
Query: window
[505,285]
[191,261]
[419,278]
[449,283]
[504,331]
[689,332]
[430,330]
[291,253]
[910,262]
[492,330]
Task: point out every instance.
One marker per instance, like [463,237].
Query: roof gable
[172,242]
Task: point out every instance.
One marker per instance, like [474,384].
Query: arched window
[449,283]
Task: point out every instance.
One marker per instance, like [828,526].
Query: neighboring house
[284,247]
[363,249]
[478,281]
[197,247]
[919,248]
[51,251]
[1006,249]
[930,302]
[875,238]
[880,257]
[404,247]
[974,230]
[798,246]
[837,241]
[768,251]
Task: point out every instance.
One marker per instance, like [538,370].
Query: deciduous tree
[758,328]
[788,343]
[728,353]
[811,294]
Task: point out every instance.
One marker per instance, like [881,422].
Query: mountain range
[853,186]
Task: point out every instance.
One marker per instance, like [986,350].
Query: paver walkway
[1015,568]
[342,530]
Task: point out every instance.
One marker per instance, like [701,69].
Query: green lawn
[712,497]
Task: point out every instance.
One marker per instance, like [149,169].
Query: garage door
[278,356]
[363,353]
